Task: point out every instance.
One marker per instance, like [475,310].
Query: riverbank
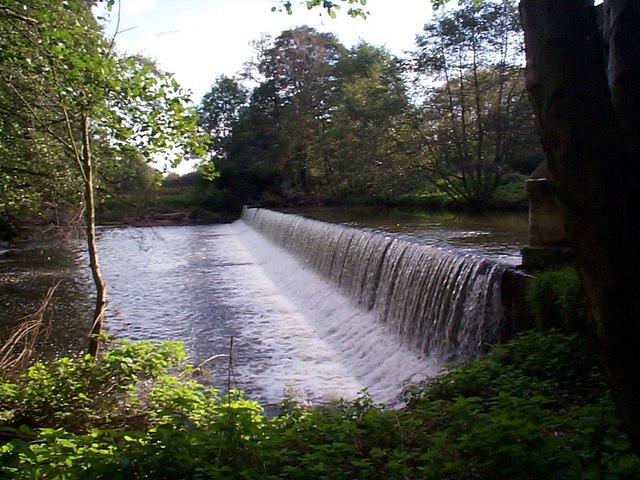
[30,231]
[182,217]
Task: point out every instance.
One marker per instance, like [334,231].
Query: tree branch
[35,115]
[12,13]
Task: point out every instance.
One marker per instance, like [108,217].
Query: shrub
[511,192]
[557,299]
[534,408]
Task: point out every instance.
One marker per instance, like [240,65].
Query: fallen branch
[17,351]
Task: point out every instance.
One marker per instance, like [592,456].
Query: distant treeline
[450,122]
[308,120]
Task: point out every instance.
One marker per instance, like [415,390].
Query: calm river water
[207,285]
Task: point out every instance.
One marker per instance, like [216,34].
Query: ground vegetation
[537,407]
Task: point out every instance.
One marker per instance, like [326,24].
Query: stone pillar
[548,245]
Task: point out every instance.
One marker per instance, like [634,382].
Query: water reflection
[204,286]
[178,283]
[25,277]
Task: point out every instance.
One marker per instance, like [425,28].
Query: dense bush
[557,298]
[535,408]
[511,192]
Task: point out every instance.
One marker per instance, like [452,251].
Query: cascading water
[444,304]
[360,313]
[354,311]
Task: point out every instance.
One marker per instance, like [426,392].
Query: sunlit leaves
[56,68]
[285,118]
[536,407]
[94,104]
[368,124]
[329,6]
[147,111]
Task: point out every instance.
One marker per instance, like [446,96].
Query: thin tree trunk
[594,177]
[100,286]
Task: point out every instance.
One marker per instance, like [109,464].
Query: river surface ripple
[204,285]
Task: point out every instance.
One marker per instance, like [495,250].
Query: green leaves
[476,122]
[330,7]
[557,299]
[77,392]
[536,407]
[94,105]
[57,69]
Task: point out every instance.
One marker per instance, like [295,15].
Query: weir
[441,303]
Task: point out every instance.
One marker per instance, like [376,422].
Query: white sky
[199,40]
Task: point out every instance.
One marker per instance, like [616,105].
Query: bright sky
[199,40]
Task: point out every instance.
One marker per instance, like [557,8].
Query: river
[207,285]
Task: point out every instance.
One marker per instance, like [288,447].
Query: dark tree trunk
[588,116]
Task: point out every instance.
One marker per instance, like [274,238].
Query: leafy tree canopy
[62,81]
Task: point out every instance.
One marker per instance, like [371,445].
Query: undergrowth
[557,298]
[534,408]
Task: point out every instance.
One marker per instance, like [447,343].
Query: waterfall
[441,303]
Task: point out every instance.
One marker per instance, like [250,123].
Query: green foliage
[324,122]
[557,298]
[80,393]
[511,192]
[476,124]
[122,416]
[32,175]
[171,200]
[370,97]
[86,106]
[219,113]
[429,196]
[535,408]
[329,6]
[126,189]
[535,364]
[69,103]
[331,124]
[194,191]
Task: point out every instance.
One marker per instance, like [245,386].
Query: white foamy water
[443,303]
[204,285]
[336,339]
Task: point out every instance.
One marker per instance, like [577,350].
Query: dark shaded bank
[174,218]
[25,231]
